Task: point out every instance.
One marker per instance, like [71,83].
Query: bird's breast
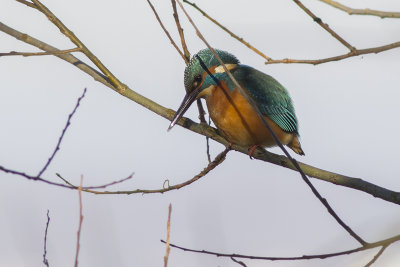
[236,119]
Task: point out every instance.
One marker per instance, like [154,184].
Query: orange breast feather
[238,121]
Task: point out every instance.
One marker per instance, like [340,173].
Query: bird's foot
[251,150]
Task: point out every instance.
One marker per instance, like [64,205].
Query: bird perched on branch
[236,119]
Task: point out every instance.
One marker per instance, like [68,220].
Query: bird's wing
[272,98]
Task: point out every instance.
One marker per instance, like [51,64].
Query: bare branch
[377,255]
[45,261]
[28,54]
[352,53]
[324,25]
[181,35]
[228,31]
[62,134]
[167,33]
[357,52]
[167,248]
[98,186]
[64,30]
[78,234]
[383,243]
[365,11]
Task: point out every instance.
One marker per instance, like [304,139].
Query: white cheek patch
[206,92]
[220,68]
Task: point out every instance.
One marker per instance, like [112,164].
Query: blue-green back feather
[272,98]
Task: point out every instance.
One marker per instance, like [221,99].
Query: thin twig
[365,11]
[167,248]
[181,35]
[64,30]
[217,161]
[357,52]
[384,242]
[98,186]
[166,32]
[208,143]
[324,25]
[277,141]
[377,255]
[78,234]
[239,262]
[227,30]
[28,54]
[62,134]
[45,260]
[202,129]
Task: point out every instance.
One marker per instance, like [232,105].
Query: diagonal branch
[359,11]
[228,31]
[166,32]
[324,25]
[181,35]
[251,101]
[205,130]
[64,30]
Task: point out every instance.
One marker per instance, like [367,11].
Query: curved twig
[217,161]
[382,243]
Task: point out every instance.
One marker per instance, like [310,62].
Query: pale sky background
[347,110]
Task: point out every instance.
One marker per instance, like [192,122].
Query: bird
[235,118]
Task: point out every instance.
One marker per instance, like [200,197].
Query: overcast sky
[347,111]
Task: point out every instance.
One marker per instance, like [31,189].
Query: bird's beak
[187,101]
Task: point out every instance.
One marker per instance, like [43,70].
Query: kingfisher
[232,114]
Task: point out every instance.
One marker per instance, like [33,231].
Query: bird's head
[199,77]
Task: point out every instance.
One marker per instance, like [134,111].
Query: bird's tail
[295,146]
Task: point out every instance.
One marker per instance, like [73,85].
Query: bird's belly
[239,123]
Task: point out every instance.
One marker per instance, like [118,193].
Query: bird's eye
[196,81]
